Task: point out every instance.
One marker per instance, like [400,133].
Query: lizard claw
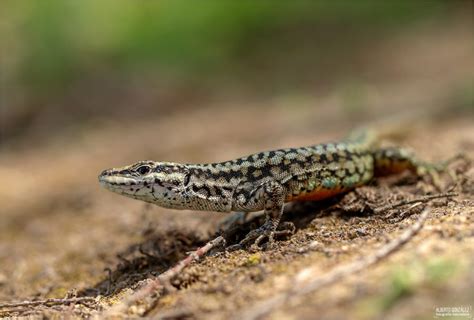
[256,235]
[267,231]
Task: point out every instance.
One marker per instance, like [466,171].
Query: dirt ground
[62,235]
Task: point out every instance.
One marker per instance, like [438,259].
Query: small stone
[313,245]
[361,231]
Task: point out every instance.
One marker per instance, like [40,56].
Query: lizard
[265,180]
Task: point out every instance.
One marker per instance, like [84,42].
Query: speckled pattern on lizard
[265,180]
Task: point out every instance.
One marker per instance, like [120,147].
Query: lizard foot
[267,231]
[432,171]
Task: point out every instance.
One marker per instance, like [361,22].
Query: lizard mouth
[116,181]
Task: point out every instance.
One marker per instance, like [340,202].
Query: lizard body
[262,181]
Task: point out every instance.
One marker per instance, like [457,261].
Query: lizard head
[162,183]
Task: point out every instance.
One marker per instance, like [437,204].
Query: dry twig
[402,214]
[163,280]
[307,280]
[419,199]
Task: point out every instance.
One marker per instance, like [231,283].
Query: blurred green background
[67,63]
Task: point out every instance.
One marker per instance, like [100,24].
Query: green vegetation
[95,59]
[408,279]
[56,41]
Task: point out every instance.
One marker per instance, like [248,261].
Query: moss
[253,259]
[439,271]
[408,279]
[402,283]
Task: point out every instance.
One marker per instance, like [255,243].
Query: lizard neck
[211,186]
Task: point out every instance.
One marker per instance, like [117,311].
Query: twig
[47,302]
[419,199]
[307,280]
[163,280]
[402,214]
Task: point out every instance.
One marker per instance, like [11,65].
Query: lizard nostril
[104,173]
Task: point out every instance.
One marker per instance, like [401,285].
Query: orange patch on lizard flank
[318,194]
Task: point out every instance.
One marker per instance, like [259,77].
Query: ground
[62,235]
[79,233]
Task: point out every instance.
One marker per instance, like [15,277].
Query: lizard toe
[257,237]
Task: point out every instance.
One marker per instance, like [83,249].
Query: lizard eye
[143,169]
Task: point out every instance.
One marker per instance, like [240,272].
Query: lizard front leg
[273,195]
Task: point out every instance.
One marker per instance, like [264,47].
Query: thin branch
[307,280]
[402,214]
[163,280]
[47,302]
[419,199]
